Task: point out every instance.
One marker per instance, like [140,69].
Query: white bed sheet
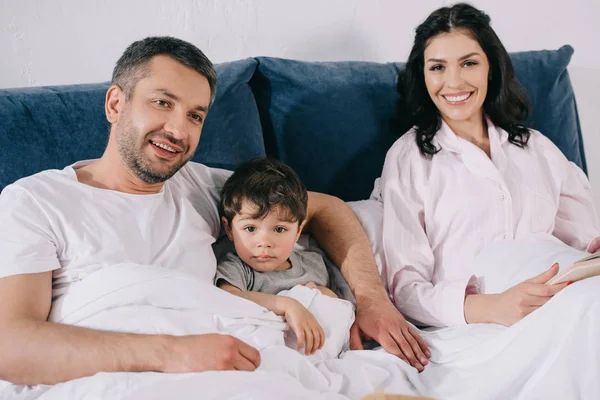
[552,353]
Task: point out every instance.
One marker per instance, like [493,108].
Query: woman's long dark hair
[505,103]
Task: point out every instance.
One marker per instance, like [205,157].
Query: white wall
[74,41]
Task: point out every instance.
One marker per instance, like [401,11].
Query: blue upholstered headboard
[332,122]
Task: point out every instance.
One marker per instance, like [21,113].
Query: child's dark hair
[266,183]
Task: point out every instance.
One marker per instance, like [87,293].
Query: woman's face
[456,76]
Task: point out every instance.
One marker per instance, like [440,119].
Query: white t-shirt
[52,222]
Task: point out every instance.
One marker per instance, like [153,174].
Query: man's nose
[176,125]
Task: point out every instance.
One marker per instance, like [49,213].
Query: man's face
[159,127]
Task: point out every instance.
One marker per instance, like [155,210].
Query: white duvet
[553,353]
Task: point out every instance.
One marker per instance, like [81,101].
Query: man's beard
[131,152]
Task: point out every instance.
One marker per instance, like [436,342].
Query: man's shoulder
[200,175]
[40,183]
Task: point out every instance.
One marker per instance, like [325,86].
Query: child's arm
[277,304]
[308,331]
[324,290]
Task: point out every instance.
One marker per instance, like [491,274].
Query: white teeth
[457,98]
[164,146]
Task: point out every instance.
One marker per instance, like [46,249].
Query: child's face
[264,244]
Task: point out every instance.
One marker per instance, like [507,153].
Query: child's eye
[250,229]
[280,229]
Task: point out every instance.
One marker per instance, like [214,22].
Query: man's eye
[250,229]
[280,229]
[196,117]
[162,103]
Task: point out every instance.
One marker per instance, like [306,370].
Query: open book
[581,269]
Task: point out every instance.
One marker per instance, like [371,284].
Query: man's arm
[35,351]
[340,234]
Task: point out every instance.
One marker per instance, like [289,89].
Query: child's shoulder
[231,259]
[308,257]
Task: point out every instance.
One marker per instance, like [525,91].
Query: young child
[263,208]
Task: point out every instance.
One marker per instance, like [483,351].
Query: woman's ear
[227,228]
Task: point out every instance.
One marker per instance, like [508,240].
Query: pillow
[232,132]
[330,121]
[51,127]
[333,122]
[553,107]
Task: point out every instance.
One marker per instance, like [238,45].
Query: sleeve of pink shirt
[576,222]
[409,257]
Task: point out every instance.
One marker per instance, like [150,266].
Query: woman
[470,174]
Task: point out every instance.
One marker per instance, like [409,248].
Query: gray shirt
[306,266]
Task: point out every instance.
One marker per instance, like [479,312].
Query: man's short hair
[266,183]
[133,64]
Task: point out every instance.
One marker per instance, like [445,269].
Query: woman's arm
[409,257]
[576,222]
[512,305]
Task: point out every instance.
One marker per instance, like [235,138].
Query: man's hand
[337,229]
[304,324]
[211,352]
[380,320]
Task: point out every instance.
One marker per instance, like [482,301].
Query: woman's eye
[470,63]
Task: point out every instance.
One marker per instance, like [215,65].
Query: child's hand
[308,331]
[322,289]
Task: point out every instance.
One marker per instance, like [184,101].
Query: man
[141,202]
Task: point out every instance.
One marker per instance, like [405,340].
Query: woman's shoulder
[540,143]
[405,146]
[404,160]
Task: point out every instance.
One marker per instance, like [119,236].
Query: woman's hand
[594,245]
[514,304]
